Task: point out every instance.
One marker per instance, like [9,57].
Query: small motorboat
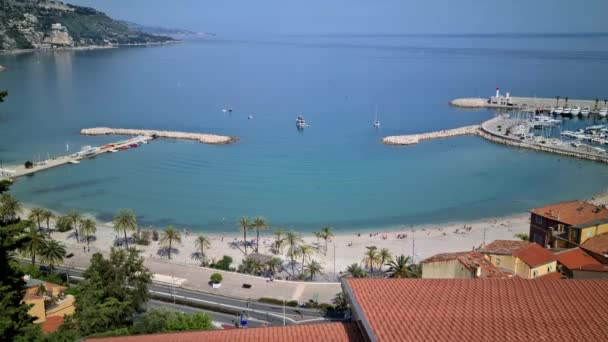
[558,111]
[249,117]
[567,111]
[603,112]
[585,111]
[576,111]
[300,122]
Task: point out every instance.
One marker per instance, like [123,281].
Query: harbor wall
[200,137]
[412,139]
[527,102]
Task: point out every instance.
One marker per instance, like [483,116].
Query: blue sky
[363,16]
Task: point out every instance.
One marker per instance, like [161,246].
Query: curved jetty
[470,103]
[412,139]
[200,137]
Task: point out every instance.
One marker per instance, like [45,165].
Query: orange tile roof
[534,255]
[304,333]
[572,213]
[597,244]
[508,247]
[51,324]
[595,268]
[575,258]
[472,260]
[552,275]
[475,310]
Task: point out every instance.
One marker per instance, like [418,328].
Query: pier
[200,137]
[412,139]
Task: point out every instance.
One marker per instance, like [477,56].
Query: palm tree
[52,253]
[47,215]
[124,221]
[522,236]
[167,237]
[597,101]
[88,228]
[371,257]
[313,268]
[201,242]
[326,234]
[402,268]
[75,218]
[385,256]
[244,226]
[274,264]
[36,215]
[557,101]
[566,99]
[305,251]
[355,271]
[293,239]
[10,207]
[259,223]
[318,235]
[35,242]
[280,241]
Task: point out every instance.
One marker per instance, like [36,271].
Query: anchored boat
[300,122]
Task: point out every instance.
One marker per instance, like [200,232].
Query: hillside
[35,24]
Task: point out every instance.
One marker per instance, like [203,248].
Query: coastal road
[272,314]
[218,318]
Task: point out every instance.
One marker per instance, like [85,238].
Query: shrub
[224,263]
[216,278]
[143,238]
[155,235]
[184,322]
[326,307]
[152,321]
[71,291]
[293,303]
[63,224]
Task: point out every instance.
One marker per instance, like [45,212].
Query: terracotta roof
[534,255]
[508,247]
[572,213]
[475,310]
[552,275]
[305,332]
[575,258]
[51,324]
[472,260]
[597,244]
[595,268]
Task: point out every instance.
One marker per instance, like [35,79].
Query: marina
[204,138]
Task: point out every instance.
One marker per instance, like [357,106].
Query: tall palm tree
[293,239]
[36,215]
[279,233]
[318,235]
[326,234]
[201,242]
[278,244]
[557,101]
[47,215]
[370,258]
[167,237]
[566,99]
[88,228]
[401,267]
[75,219]
[385,256]
[355,271]
[35,242]
[52,253]
[244,226]
[597,101]
[10,207]
[305,251]
[273,264]
[313,268]
[259,223]
[124,221]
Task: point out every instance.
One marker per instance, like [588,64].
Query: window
[534,274]
[538,219]
[550,268]
[497,261]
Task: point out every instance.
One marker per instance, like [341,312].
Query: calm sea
[335,172]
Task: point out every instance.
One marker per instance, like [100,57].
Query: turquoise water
[333,173]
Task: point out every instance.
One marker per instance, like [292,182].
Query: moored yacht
[603,112]
[585,111]
[576,111]
[543,121]
[300,122]
[567,111]
[558,110]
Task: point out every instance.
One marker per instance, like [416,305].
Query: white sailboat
[376,122]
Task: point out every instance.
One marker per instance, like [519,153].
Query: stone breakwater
[200,137]
[469,103]
[412,139]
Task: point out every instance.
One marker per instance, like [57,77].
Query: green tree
[305,251]
[10,208]
[244,226]
[279,242]
[201,242]
[125,221]
[3,94]
[34,244]
[216,278]
[15,322]
[370,258]
[259,224]
[113,290]
[74,218]
[36,215]
[313,268]
[152,321]
[185,322]
[5,185]
[340,303]
[401,267]
[355,271]
[52,253]
[167,237]
[522,236]
[293,239]
[385,256]
[88,228]
[274,264]
[47,215]
[326,234]
[251,266]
